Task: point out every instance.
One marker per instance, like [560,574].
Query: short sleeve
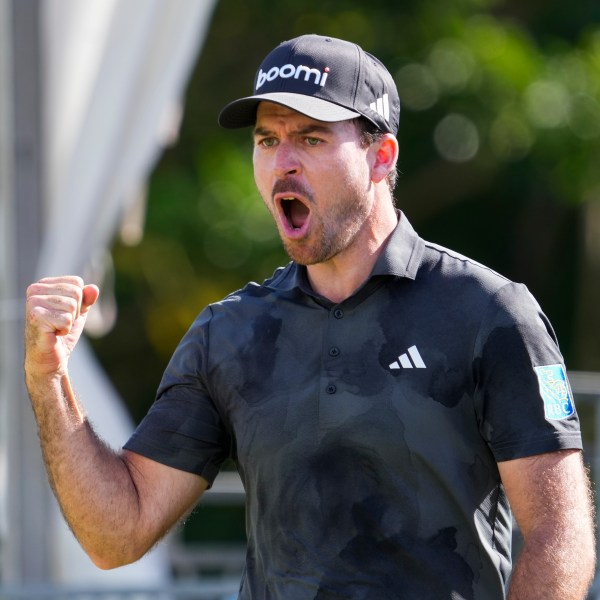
[521,379]
[183,428]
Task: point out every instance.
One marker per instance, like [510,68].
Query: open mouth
[295,214]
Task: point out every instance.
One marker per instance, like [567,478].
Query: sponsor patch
[555,391]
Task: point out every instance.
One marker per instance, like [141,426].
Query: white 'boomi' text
[287,71]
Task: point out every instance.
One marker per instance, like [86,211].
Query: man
[384,398]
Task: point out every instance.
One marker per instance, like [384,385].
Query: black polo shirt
[367,433]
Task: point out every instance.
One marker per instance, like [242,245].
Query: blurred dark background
[500,145]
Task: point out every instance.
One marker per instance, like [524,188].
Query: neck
[341,276]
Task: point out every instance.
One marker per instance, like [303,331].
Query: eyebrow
[313,128]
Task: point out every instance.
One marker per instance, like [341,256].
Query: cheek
[261,177]
[356,175]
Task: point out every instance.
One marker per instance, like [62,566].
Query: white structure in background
[90,93]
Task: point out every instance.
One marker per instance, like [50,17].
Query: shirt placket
[331,386]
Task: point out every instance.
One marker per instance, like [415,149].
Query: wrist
[37,374]
[51,393]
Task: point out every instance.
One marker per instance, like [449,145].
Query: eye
[267,142]
[312,141]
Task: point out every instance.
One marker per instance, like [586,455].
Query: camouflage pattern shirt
[367,433]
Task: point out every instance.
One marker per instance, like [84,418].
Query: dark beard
[330,240]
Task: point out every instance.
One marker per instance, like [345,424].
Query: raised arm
[552,503]
[118,504]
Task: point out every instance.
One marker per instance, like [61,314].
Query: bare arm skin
[118,504]
[552,502]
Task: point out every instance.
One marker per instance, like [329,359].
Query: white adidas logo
[404,361]
[382,106]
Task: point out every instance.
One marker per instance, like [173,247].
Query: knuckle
[35,313]
[33,290]
[72,304]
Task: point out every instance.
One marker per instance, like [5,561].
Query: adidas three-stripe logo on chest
[409,360]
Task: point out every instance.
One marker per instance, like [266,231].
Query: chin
[305,257]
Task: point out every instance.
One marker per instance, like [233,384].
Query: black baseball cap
[325,78]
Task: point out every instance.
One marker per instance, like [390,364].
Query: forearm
[117,504]
[91,482]
[554,566]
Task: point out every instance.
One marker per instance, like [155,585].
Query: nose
[286,160]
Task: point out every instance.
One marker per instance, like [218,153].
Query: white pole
[25,552]
[8,307]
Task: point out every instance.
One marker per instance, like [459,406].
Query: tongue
[298,213]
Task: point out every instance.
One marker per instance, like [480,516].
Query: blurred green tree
[500,143]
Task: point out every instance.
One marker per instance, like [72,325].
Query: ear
[385,155]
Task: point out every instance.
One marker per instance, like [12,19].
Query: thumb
[89,297]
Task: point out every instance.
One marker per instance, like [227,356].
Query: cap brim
[242,112]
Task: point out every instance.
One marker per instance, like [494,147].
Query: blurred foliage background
[500,149]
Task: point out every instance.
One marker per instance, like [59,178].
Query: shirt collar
[403,251]
[400,257]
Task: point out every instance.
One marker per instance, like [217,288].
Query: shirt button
[331,389]
[333,351]
[338,313]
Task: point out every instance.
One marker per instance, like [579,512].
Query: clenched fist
[55,316]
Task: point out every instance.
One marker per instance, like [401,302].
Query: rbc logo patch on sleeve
[555,391]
